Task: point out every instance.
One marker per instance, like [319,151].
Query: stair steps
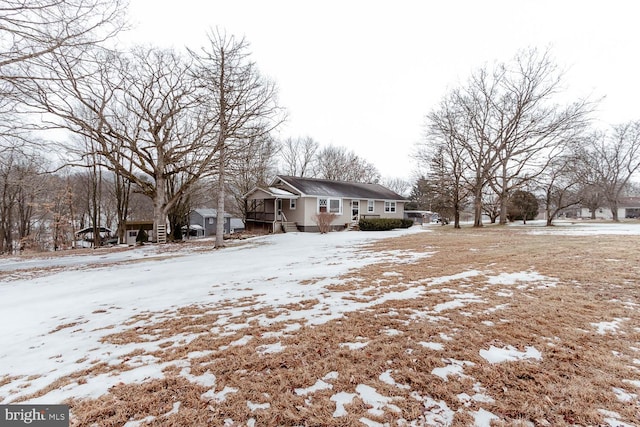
[289,227]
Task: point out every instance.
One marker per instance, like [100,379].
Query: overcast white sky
[363,74]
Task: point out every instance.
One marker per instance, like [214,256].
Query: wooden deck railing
[261,216]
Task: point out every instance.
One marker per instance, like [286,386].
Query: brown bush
[324,220]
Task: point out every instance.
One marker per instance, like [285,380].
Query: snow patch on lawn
[271,348]
[257,406]
[604,327]
[353,345]
[206,380]
[455,367]
[391,274]
[509,354]
[220,396]
[612,419]
[583,228]
[341,400]
[136,423]
[624,395]
[319,385]
[432,345]
[460,300]
[459,276]
[377,401]
[483,418]
[521,278]
[437,412]
[386,378]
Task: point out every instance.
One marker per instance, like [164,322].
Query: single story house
[207,218]
[291,203]
[628,207]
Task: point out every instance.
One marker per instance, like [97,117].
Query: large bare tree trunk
[503,195]
[159,204]
[220,216]
[477,209]
[613,205]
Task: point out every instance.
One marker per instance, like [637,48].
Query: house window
[389,206]
[371,206]
[330,205]
[292,204]
[335,206]
[211,220]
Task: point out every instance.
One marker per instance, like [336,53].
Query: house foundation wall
[316,229]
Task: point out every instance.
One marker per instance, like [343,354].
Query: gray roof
[208,213]
[237,223]
[326,187]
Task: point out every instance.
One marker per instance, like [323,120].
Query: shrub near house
[383,224]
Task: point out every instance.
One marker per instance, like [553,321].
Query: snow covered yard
[500,326]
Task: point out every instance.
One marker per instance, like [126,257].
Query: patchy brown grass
[595,280]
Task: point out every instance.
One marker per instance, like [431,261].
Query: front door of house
[355,210]
[279,209]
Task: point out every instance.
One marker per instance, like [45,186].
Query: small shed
[132,228]
[420,217]
[195,230]
[85,237]
[237,225]
[207,219]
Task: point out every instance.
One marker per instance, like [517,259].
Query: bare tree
[491,205]
[242,102]
[337,163]
[609,161]
[506,123]
[21,187]
[251,167]
[144,114]
[559,185]
[32,32]
[445,153]
[398,185]
[446,174]
[530,130]
[298,156]
[35,28]
[59,215]
[93,188]
[469,125]
[120,190]
[179,212]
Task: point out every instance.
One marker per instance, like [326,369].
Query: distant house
[237,225]
[203,221]
[628,207]
[291,203]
